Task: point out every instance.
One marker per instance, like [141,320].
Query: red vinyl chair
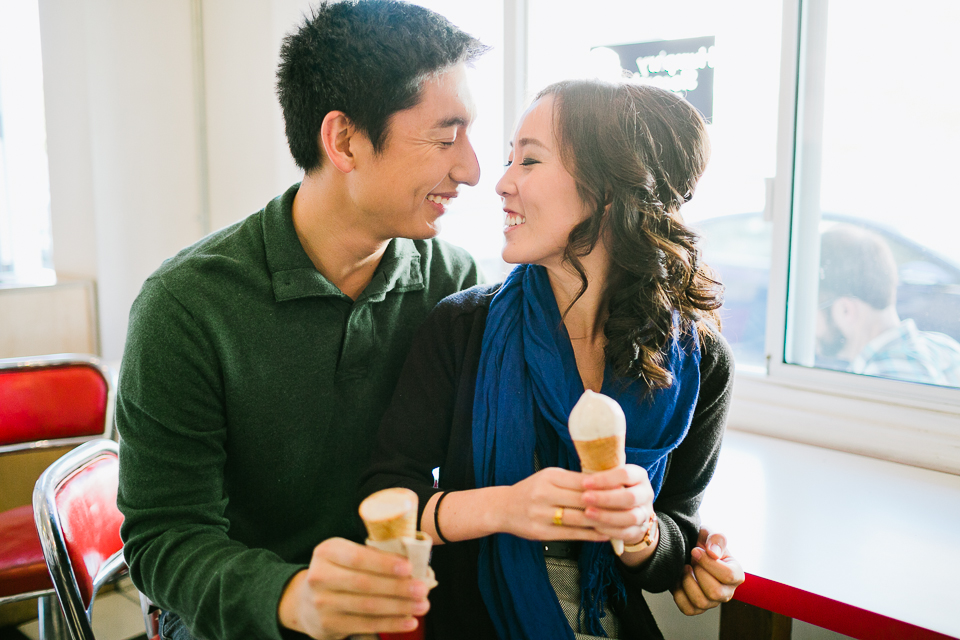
[75,503]
[45,401]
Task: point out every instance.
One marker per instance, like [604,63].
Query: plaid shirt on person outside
[906,353]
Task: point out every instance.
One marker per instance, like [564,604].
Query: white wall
[248,158]
[65,89]
[157,134]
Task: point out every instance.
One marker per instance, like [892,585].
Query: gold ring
[558,517]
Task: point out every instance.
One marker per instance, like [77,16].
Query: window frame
[902,422]
[899,421]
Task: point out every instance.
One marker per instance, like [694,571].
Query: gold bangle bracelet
[647,537]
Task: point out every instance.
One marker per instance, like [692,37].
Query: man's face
[830,339]
[404,190]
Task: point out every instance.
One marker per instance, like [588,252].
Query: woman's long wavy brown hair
[636,153]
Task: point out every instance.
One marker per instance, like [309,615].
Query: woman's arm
[429,425]
[416,429]
[527,509]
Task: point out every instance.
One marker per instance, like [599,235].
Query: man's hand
[712,578]
[348,589]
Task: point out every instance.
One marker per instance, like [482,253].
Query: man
[259,361]
[858,327]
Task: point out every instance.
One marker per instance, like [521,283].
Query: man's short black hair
[366,58]
[857,263]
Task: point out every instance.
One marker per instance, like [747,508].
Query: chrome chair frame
[47,609]
[49,525]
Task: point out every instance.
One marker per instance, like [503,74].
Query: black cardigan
[429,425]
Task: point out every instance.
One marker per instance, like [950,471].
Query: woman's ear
[337,132]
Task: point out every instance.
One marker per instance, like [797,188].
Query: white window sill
[906,423]
[868,533]
[34,278]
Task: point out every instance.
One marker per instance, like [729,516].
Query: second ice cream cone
[390,514]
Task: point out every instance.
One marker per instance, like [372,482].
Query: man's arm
[174,449]
[171,419]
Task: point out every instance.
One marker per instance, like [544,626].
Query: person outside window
[858,327]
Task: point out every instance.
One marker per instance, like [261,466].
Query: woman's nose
[505,185]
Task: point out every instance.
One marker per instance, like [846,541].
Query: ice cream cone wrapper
[601,454]
[416,549]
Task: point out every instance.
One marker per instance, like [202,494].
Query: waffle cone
[601,454]
[390,514]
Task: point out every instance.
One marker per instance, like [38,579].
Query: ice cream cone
[600,454]
[598,429]
[390,514]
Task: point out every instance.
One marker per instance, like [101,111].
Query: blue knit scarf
[527,383]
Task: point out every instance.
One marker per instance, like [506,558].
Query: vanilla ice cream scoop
[596,416]
[389,514]
[598,429]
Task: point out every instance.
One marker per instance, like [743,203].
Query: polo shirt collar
[294,276]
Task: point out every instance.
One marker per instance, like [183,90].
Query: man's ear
[337,132]
[846,315]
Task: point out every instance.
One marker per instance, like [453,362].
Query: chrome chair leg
[151,616]
[52,624]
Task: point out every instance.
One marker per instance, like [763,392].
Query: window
[861,125]
[25,248]
[826,119]
[875,285]
[740,72]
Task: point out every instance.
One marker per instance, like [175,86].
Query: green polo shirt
[250,393]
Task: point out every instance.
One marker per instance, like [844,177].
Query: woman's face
[539,196]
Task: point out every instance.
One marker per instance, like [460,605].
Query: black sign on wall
[682,66]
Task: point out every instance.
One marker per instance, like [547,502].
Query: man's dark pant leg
[173,628]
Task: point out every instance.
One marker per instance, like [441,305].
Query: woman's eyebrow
[526,142]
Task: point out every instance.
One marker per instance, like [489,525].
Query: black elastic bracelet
[436,517]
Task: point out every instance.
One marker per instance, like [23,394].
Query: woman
[610,296]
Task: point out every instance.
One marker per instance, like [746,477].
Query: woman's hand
[530,508]
[619,503]
[552,504]
[711,578]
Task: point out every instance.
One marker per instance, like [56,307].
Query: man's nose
[467,169]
